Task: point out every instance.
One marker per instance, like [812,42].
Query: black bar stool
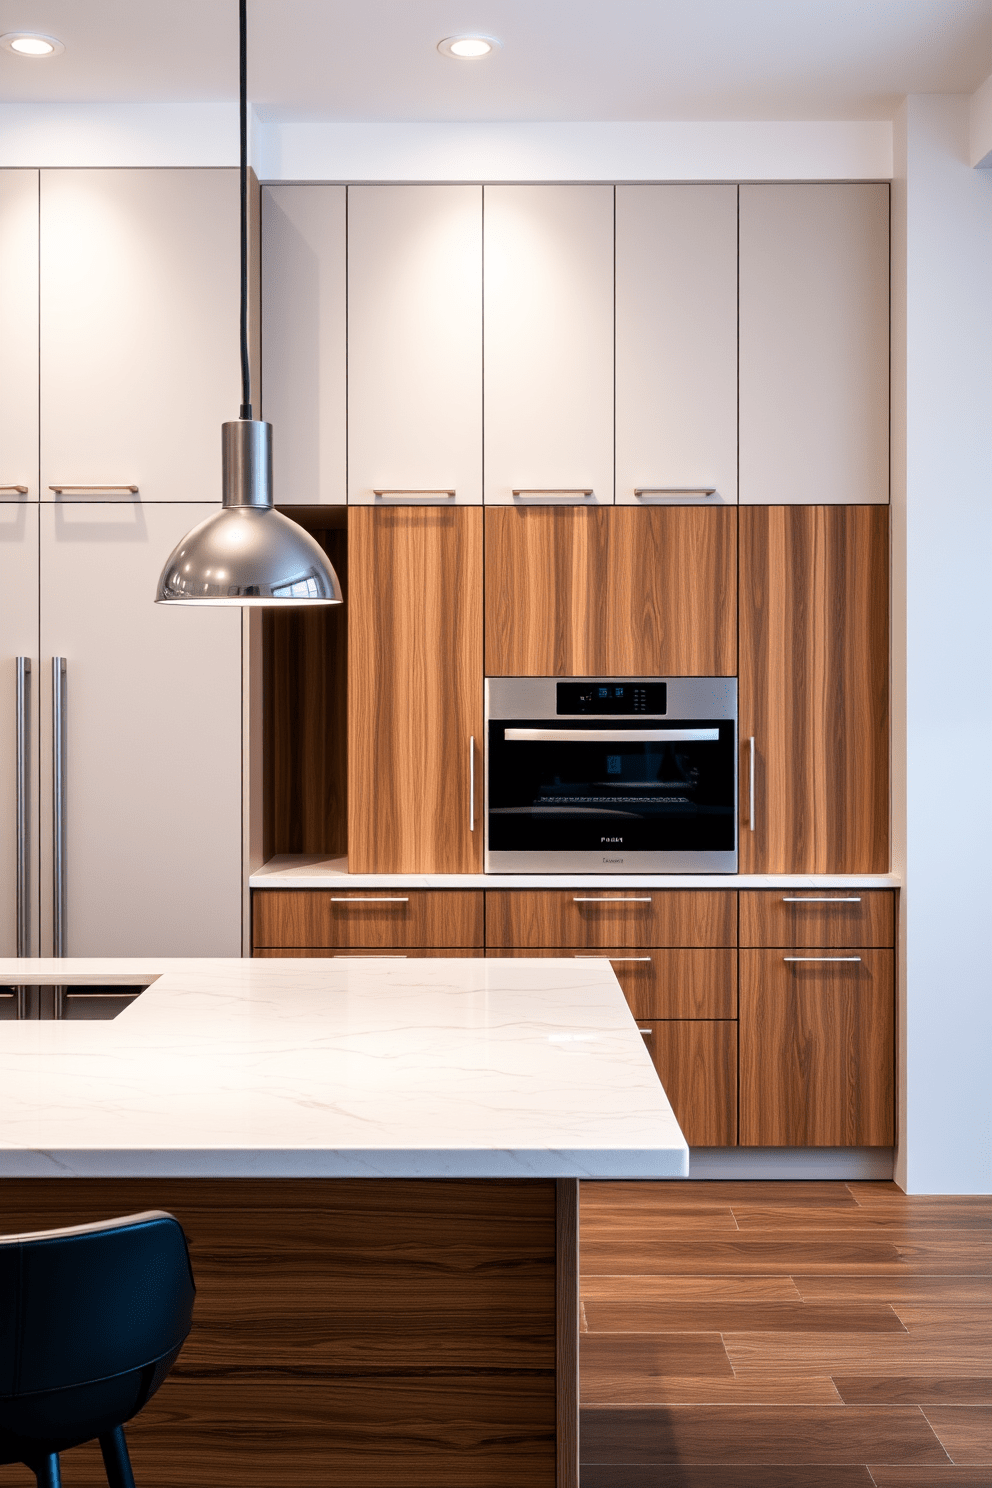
[91,1321]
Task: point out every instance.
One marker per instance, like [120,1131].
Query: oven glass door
[640,785]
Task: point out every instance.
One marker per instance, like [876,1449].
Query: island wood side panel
[348,1332]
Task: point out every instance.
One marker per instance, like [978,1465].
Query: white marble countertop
[314,872]
[336,1068]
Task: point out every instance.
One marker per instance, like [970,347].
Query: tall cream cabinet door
[814,344]
[676,344]
[152,739]
[304,341]
[18,723]
[415,344]
[548,338]
[139,330]
[18,335]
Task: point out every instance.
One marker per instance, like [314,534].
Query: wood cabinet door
[621,593]
[415,343]
[814,343]
[153,739]
[304,393]
[814,679]
[139,317]
[548,343]
[817,1050]
[415,690]
[676,343]
[18,334]
[697,1064]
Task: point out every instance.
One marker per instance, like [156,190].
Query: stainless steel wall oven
[611,775]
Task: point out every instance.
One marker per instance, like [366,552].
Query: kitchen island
[377,1164]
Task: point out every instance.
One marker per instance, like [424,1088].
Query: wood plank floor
[785,1335]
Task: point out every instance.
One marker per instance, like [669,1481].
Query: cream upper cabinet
[153,739]
[18,334]
[18,638]
[814,344]
[414,344]
[139,329]
[676,344]
[548,276]
[304,341]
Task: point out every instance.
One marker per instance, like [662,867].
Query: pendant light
[247,553]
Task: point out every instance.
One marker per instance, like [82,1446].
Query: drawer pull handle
[438,494]
[561,493]
[611,898]
[371,899]
[647,1032]
[126,490]
[821,899]
[669,493]
[591,956]
[821,958]
[369,956]
[17,491]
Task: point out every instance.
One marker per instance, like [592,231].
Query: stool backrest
[83,1304]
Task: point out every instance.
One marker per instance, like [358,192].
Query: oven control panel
[611,699]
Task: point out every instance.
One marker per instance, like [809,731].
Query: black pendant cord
[245,367]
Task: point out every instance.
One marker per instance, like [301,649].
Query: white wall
[942,629]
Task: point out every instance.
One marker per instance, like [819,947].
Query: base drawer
[315,919]
[580,918]
[662,983]
[817,917]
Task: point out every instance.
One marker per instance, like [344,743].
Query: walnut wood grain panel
[623,591]
[364,1332]
[311,919]
[567,1331]
[667,983]
[415,682]
[697,1064]
[817,917]
[305,656]
[816,1051]
[609,918]
[411,953]
[814,670]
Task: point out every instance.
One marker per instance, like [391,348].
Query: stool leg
[46,1471]
[115,1459]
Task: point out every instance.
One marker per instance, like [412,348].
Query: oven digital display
[610,699]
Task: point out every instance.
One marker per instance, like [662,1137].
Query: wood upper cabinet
[548,342]
[415,343]
[18,334]
[814,670]
[619,593]
[676,342]
[415,690]
[814,343]
[139,318]
[816,1048]
[304,341]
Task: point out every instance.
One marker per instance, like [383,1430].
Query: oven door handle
[609,736]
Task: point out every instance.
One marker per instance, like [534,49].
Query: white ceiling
[367,60]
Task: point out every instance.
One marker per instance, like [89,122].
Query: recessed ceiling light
[468,48]
[28,44]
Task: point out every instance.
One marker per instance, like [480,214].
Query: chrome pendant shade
[248,553]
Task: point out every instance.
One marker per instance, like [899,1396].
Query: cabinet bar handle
[821,958]
[437,494]
[471,784]
[372,899]
[750,785]
[23,672]
[592,956]
[561,493]
[611,898]
[58,817]
[94,490]
[17,490]
[647,1032]
[698,493]
[609,736]
[369,956]
[821,899]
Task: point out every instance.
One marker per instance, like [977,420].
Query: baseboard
[791,1163]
